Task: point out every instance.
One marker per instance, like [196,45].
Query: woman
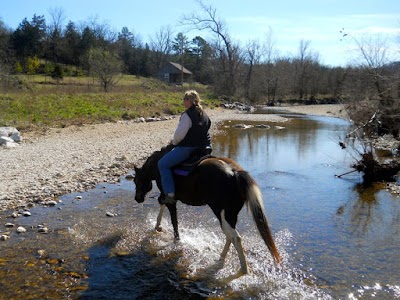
[191,133]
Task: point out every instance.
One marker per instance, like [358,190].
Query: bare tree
[269,77]
[372,54]
[227,52]
[161,45]
[304,64]
[374,84]
[252,59]
[54,35]
[57,16]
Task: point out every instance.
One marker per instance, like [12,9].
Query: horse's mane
[153,159]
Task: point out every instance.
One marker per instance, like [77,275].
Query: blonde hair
[193,97]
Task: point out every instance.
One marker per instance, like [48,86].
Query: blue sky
[317,21]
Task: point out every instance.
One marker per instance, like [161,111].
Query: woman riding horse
[191,133]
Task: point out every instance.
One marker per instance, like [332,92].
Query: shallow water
[338,240]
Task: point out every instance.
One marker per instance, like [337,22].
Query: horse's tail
[253,200]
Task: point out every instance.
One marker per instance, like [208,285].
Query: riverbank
[74,159]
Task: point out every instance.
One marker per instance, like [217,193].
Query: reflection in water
[344,235]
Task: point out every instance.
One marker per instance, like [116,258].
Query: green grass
[51,105]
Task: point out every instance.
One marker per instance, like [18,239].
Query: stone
[21,229]
[43,230]
[4,237]
[26,213]
[7,142]
[52,203]
[9,137]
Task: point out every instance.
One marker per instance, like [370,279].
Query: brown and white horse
[218,182]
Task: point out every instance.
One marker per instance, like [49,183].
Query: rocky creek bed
[59,161]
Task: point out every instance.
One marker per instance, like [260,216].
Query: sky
[288,21]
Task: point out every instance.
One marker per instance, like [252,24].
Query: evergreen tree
[28,38]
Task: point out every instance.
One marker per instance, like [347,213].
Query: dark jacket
[198,135]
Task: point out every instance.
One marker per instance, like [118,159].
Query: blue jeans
[165,164]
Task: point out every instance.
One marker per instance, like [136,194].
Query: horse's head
[142,183]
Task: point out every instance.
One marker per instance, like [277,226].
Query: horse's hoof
[243,272]
[159,229]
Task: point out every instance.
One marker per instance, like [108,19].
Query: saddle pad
[182,172]
[186,167]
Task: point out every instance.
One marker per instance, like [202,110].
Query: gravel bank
[75,159]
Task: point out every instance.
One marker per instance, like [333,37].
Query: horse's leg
[233,235]
[159,217]
[226,247]
[174,219]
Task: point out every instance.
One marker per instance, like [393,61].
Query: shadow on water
[338,239]
[130,275]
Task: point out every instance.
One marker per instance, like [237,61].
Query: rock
[52,203]
[4,237]
[263,126]
[110,214]
[151,119]
[26,213]
[9,137]
[7,142]
[9,225]
[43,230]
[242,126]
[11,132]
[21,229]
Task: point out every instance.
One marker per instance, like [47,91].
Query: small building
[172,73]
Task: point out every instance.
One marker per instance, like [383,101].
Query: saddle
[186,167]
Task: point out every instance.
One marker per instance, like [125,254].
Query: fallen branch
[339,176]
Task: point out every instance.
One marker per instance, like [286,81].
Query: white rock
[12,135]
[5,139]
[16,136]
[43,230]
[4,237]
[242,126]
[21,229]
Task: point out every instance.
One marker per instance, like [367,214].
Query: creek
[338,239]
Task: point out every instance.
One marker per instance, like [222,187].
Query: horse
[218,182]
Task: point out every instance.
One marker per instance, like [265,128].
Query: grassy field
[39,101]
